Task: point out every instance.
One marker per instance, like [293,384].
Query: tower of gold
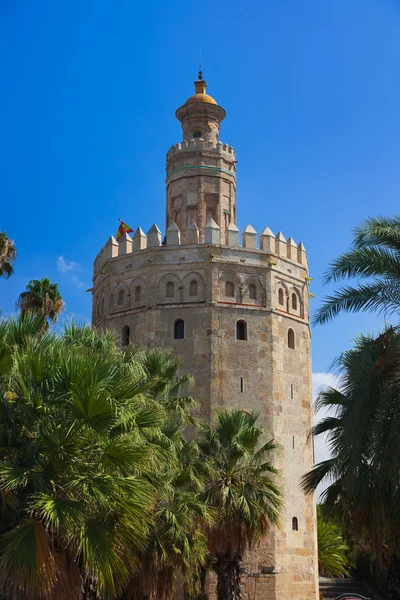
[236,309]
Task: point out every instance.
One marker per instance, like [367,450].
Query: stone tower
[201,171]
[237,314]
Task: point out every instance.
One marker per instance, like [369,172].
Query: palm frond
[382,296]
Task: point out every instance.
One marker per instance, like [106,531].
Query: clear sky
[89,91]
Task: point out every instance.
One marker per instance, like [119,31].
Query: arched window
[241,330]
[102,307]
[170,290]
[294,301]
[252,291]
[229,289]
[125,337]
[295,524]
[179,329]
[138,293]
[193,288]
[290,339]
[280,297]
[121,297]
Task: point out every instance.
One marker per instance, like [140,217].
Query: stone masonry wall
[260,373]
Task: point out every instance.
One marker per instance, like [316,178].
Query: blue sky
[312,94]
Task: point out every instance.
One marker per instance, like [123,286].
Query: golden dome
[200,95]
[201,98]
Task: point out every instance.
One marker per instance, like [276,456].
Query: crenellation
[249,238]
[201,145]
[192,233]
[153,236]
[280,245]
[267,241]
[232,237]
[125,244]
[211,232]
[111,248]
[173,235]
[291,249]
[139,240]
[301,254]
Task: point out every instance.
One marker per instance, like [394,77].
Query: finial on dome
[200,85]
[200,67]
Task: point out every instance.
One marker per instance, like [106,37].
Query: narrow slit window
[293,442]
[280,297]
[241,385]
[170,290]
[241,330]
[193,288]
[291,340]
[294,301]
[291,391]
[229,289]
[295,524]
[252,292]
[138,293]
[125,337]
[121,297]
[179,329]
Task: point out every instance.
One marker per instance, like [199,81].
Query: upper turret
[200,115]
[201,171]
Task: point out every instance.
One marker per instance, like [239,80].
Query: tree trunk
[227,568]
[393,580]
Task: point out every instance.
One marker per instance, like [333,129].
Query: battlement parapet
[200,145]
[274,245]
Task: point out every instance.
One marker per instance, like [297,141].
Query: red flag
[123,228]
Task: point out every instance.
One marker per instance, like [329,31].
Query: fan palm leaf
[242,489]
[374,256]
[43,297]
[362,434]
[68,470]
[8,254]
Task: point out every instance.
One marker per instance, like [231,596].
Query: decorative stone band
[220,169]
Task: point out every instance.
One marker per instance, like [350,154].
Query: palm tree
[242,490]
[374,256]
[332,550]
[41,296]
[363,472]
[8,254]
[76,469]
[176,542]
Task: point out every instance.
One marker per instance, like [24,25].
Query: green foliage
[242,489]
[363,473]
[72,492]
[374,256]
[332,550]
[8,254]
[41,297]
[96,478]
[100,488]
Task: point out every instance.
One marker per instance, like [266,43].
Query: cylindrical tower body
[238,316]
[201,171]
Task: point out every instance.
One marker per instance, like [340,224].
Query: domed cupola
[200,115]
